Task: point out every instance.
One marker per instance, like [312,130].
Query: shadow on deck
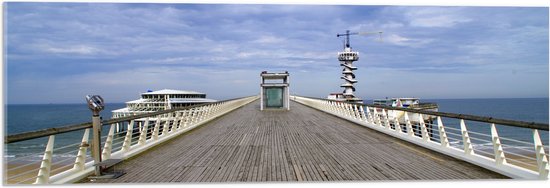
[302,144]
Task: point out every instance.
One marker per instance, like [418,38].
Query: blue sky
[60,52]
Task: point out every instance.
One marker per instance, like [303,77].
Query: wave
[489,145]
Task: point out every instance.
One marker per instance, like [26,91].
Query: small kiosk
[274,92]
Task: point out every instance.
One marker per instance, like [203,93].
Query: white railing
[141,134]
[510,157]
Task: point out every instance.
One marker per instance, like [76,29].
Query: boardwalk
[302,144]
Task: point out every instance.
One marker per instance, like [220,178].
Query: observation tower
[346,58]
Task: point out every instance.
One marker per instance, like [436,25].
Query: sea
[31,117]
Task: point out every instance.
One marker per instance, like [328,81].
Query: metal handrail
[505,122]
[81,126]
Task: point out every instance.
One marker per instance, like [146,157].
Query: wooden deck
[302,144]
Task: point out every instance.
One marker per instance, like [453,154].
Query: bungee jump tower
[346,58]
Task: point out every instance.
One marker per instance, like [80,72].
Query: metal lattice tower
[346,58]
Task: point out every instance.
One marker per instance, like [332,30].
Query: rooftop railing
[448,133]
[73,162]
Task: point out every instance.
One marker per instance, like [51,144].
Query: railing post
[143,132]
[410,132]
[208,109]
[81,155]
[165,128]
[324,105]
[375,116]
[396,122]
[423,128]
[156,129]
[106,154]
[362,113]
[186,118]
[369,115]
[342,109]
[128,139]
[468,148]
[181,119]
[194,118]
[174,119]
[203,113]
[542,161]
[385,117]
[350,111]
[442,134]
[345,110]
[356,112]
[337,108]
[198,114]
[167,122]
[45,167]
[497,146]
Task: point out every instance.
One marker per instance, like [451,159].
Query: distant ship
[152,101]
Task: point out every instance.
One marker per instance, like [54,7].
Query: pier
[302,144]
[317,140]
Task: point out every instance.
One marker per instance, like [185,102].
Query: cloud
[269,40]
[404,41]
[435,16]
[78,49]
[437,21]
[214,47]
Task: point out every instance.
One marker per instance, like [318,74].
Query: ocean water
[521,109]
[23,118]
[31,117]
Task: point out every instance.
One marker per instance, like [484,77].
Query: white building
[165,99]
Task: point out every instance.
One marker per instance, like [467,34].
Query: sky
[60,52]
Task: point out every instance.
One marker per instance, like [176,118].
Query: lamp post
[95,103]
